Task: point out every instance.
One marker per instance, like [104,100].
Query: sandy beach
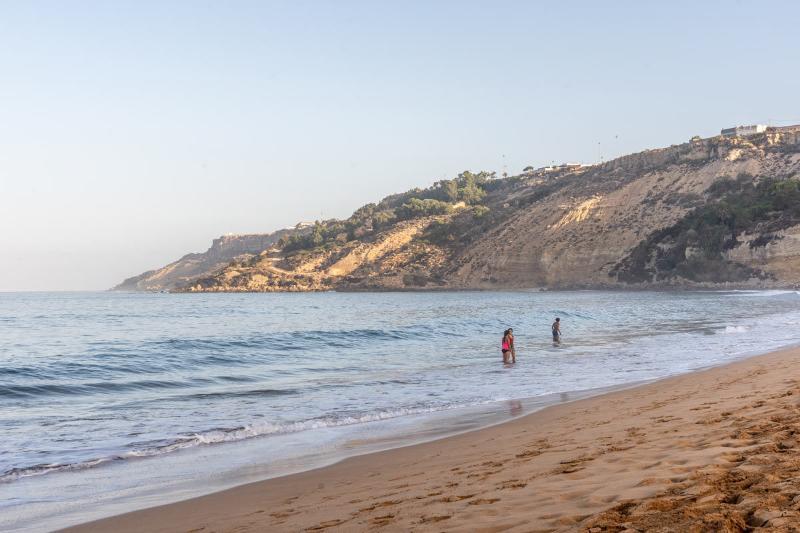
[713,450]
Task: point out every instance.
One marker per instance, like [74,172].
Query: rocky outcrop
[778,254]
[357,264]
[222,252]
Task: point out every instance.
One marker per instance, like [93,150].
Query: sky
[134,132]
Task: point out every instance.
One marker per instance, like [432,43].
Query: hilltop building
[559,169]
[744,131]
[784,129]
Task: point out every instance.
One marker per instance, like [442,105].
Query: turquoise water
[110,401]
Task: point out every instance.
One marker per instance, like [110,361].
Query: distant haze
[134,132]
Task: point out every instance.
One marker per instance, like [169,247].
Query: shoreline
[660,287]
[473,479]
[421,428]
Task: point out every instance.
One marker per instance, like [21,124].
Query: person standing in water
[513,347]
[557,332]
[509,352]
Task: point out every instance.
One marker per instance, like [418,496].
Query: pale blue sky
[134,132]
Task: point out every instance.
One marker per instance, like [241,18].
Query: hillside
[223,250]
[708,213]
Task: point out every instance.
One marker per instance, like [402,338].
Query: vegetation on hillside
[468,189]
[694,247]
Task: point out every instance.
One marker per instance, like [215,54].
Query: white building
[744,131]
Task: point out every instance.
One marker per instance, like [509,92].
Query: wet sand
[714,450]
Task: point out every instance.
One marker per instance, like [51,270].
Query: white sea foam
[217,436]
[736,329]
[763,294]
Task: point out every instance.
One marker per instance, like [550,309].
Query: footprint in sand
[432,519]
[733,457]
[635,432]
[326,525]
[483,501]
[710,421]
[512,484]
[451,499]
[529,453]
[374,506]
[383,520]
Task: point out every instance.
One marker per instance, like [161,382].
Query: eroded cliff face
[575,236]
[780,257]
[568,229]
[378,264]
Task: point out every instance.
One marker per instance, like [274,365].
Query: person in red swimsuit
[509,352]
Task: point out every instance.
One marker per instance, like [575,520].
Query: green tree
[470,191]
[450,190]
[317,237]
[419,208]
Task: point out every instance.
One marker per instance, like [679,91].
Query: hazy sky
[134,132]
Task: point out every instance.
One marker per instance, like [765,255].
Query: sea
[113,401]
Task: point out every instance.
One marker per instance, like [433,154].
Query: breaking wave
[223,435]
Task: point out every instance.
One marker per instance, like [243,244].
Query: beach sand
[715,450]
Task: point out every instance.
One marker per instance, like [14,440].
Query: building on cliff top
[564,167]
[784,129]
[744,131]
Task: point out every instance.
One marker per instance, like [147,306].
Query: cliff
[584,232]
[223,250]
[718,212]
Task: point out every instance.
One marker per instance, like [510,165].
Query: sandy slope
[709,451]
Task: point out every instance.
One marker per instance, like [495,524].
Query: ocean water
[115,401]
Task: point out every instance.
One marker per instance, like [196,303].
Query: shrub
[480,211]
[383,219]
[415,208]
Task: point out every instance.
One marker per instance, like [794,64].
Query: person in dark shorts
[557,331]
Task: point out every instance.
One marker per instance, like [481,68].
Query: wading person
[556,332]
[509,353]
